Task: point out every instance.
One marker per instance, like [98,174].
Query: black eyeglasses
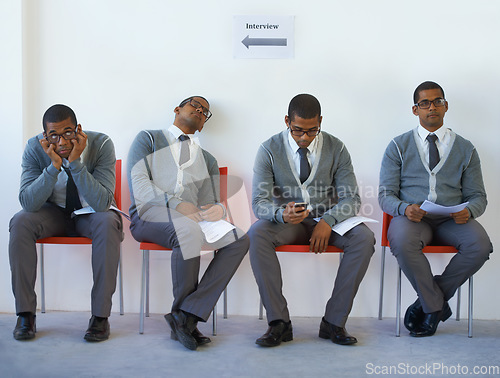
[195,104]
[426,104]
[54,138]
[300,132]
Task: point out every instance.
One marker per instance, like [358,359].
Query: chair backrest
[428,249]
[118,185]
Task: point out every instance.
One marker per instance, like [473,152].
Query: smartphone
[300,207]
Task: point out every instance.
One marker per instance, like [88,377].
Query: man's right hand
[291,215]
[414,213]
[51,151]
[190,211]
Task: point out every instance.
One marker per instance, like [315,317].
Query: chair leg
[143,291]
[381,294]
[471,290]
[398,304]
[146,256]
[459,296]
[42,278]
[214,321]
[120,281]
[225,302]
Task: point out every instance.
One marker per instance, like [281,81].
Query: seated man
[63,170]
[305,164]
[433,163]
[174,185]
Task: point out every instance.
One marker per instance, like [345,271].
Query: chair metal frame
[146,247]
[79,240]
[300,248]
[428,249]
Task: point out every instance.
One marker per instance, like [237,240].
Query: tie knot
[303,152]
[183,137]
[431,138]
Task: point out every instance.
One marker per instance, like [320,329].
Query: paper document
[89,210]
[215,230]
[342,227]
[433,208]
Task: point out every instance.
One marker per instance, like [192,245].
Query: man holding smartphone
[301,175]
[65,169]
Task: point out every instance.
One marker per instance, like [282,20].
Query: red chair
[428,249]
[146,247]
[83,241]
[300,249]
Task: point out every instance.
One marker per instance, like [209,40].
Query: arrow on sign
[263,41]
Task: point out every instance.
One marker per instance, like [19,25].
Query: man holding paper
[65,169]
[301,174]
[174,188]
[432,163]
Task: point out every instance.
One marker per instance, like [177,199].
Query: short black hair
[185,101]
[304,106]
[426,85]
[58,113]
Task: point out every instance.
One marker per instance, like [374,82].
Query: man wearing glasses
[65,169]
[174,185]
[433,163]
[303,185]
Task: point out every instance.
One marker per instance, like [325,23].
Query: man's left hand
[212,213]
[461,217]
[79,144]
[320,236]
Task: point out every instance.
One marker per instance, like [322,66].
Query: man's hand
[79,144]
[291,215]
[190,211]
[212,213]
[414,213]
[461,217]
[320,236]
[50,150]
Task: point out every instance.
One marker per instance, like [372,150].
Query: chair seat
[65,240]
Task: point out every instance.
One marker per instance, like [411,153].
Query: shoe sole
[25,337]
[188,341]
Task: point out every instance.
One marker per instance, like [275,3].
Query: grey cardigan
[93,173]
[405,177]
[331,188]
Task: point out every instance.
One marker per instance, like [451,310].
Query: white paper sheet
[342,227]
[215,230]
[89,210]
[433,208]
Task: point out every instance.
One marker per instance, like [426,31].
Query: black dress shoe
[277,332]
[414,316]
[430,322]
[98,329]
[25,327]
[338,335]
[182,325]
[200,338]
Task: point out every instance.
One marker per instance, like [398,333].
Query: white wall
[124,65]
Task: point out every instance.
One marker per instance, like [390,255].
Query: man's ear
[287,121]
[177,110]
[414,110]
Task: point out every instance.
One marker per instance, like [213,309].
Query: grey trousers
[407,239]
[265,236]
[186,240]
[104,228]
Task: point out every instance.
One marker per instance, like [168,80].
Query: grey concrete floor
[60,351]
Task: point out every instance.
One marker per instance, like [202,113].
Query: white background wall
[124,65]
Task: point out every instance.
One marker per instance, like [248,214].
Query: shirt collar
[176,133]
[423,132]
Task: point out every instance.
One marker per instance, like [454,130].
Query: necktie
[305,168]
[72,198]
[184,149]
[433,151]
